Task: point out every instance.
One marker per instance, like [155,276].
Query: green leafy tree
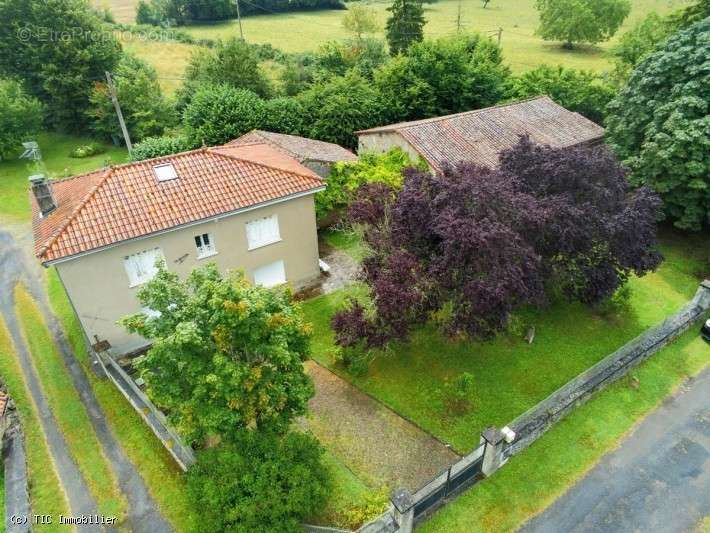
[443,76]
[405,24]
[360,20]
[346,178]
[337,107]
[144,109]
[226,355]
[638,42]
[693,13]
[336,58]
[234,63]
[219,113]
[285,115]
[582,91]
[659,124]
[59,48]
[259,483]
[21,117]
[581,21]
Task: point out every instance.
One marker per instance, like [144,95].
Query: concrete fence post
[494,439]
[403,510]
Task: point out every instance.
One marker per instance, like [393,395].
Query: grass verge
[162,476]
[46,493]
[537,477]
[67,408]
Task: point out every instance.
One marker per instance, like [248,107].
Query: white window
[270,275]
[165,172]
[140,267]
[263,231]
[205,245]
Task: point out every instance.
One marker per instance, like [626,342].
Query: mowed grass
[67,408]
[510,375]
[164,479]
[305,31]
[55,147]
[531,481]
[46,493]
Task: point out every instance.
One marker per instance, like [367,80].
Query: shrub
[374,505]
[346,177]
[582,91]
[152,147]
[457,395]
[219,113]
[340,106]
[285,115]
[259,483]
[20,117]
[87,150]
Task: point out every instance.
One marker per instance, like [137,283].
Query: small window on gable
[165,172]
[263,231]
[141,267]
[205,245]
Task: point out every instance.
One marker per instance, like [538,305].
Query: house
[480,135]
[319,156]
[247,207]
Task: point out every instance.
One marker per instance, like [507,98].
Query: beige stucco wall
[384,141]
[98,287]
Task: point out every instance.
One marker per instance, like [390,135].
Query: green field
[298,32]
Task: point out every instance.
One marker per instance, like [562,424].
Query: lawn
[299,32]
[67,408]
[46,493]
[531,481]
[510,375]
[55,149]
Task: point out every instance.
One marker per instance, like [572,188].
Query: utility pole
[458,18]
[119,114]
[239,18]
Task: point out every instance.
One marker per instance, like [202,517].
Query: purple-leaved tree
[481,242]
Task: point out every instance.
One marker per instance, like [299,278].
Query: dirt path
[373,441]
[143,514]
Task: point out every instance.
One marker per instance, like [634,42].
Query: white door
[270,275]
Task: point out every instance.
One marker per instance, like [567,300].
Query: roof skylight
[165,172]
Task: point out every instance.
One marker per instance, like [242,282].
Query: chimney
[43,194]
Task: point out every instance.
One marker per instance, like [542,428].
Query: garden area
[510,375]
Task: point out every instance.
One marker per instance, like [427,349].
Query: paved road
[657,481]
[143,514]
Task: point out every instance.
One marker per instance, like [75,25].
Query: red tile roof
[480,135]
[127,201]
[301,148]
